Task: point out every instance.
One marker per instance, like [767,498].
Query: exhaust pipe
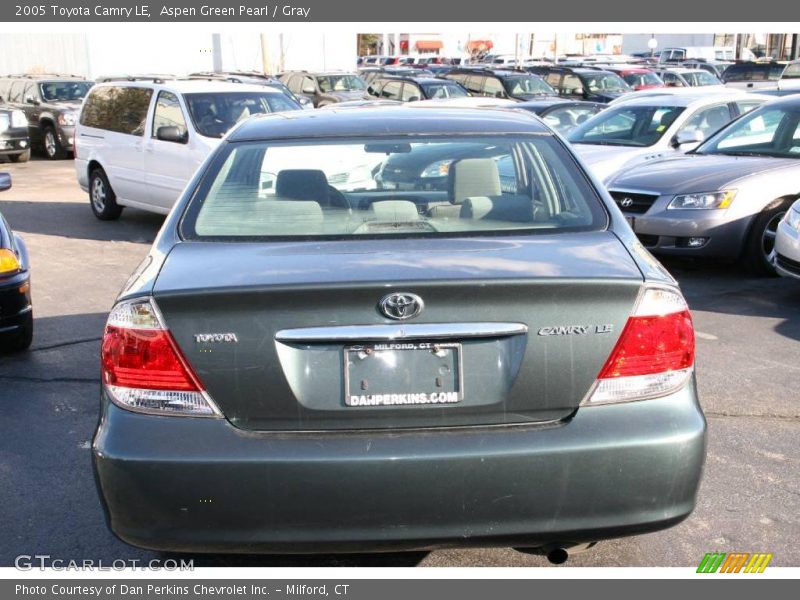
[558,556]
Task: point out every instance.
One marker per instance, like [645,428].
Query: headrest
[302,184]
[473,177]
[394,210]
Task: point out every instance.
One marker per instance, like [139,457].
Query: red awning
[403,44]
[429,45]
[478,44]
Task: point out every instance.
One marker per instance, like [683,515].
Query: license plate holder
[403,374]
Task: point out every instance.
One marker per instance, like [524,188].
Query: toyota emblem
[401,306]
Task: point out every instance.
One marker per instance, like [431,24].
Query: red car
[639,78]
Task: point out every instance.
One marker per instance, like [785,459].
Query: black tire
[102,198]
[22,339]
[52,145]
[760,244]
[22,157]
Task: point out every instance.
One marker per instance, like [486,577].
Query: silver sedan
[727,197]
[787,244]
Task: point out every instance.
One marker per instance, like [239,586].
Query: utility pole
[216,52]
[265,66]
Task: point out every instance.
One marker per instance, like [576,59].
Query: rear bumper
[189,484]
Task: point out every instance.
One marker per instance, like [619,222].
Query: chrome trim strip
[416,331]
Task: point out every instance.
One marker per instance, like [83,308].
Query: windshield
[345,188]
[698,78]
[524,86]
[605,82]
[63,91]
[444,90]
[763,132]
[627,126]
[214,113]
[340,83]
[643,79]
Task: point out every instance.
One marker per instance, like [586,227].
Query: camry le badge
[401,306]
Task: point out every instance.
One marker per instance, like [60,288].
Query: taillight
[654,355]
[143,369]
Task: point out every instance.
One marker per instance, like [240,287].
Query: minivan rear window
[392,187]
[122,109]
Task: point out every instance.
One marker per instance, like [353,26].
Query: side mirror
[31,100]
[5,181]
[170,133]
[413,98]
[309,90]
[688,136]
[499,95]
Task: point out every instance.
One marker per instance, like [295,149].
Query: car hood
[696,173]
[604,161]
[66,104]
[348,95]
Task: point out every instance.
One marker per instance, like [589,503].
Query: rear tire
[102,198]
[22,157]
[22,339]
[760,245]
[52,145]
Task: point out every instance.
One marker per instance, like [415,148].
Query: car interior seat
[467,178]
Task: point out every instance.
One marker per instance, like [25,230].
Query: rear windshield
[392,187]
[214,113]
[768,72]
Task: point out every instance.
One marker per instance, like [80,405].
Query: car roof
[324,73]
[188,86]
[556,101]
[422,79]
[376,121]
[685,100]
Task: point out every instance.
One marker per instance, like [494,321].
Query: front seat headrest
[303,184]
[472,177]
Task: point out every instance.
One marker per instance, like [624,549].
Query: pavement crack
[723,414]
[63,344]
[50,379]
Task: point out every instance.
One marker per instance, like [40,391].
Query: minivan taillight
[143,369]
[654,355]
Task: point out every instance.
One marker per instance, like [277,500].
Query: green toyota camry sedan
[313,360]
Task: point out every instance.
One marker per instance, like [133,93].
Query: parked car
[253,78]
[727,197]
[51,104]
[787,243]
[412,89]
[754,75]
[140,141]
[716,53]
[581,83]
[561,114]
[16,308]
[501,83]
[14,139]
[369,74]
[684,77]
[328,345]
[326,87]
[638,78]
[652,127]
[715,67]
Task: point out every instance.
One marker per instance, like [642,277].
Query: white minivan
[138,142]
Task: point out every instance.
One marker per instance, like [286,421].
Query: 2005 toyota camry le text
[310,360]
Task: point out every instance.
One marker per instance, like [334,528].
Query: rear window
[768,72]
[392,187]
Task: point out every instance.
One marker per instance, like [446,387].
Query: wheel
[760,244]
[52,145]
[20,158]
[22,339]
[102,198]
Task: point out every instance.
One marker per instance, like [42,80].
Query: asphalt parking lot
[748,349]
